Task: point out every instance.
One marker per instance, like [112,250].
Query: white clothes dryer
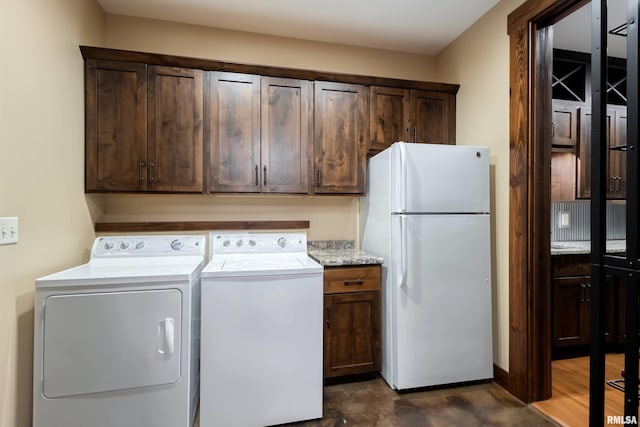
[116,339]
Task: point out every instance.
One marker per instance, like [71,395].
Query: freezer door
[442,300]
[102,342]
[432,178]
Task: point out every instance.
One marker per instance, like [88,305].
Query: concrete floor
[372,403]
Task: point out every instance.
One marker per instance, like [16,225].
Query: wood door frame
[529,376]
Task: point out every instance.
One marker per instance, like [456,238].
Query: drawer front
[351,279]
[570,265]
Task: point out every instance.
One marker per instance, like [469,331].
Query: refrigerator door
[442,300]
[433,178]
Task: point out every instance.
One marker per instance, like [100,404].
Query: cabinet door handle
[618,185]
[264,182]
[257,179]
[553,129]
[318,177]
[352,282]
[328,319]
[140,174]
[151,167]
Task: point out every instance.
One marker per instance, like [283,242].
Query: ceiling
[574,32]
[417,26]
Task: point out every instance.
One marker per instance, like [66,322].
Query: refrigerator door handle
[403,251]
[403,178]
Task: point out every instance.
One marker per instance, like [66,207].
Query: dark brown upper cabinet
[143,128]
[234,126]
[286,135]
[116,126]
[432,117]
[341,137]
[564,126]
[259,134]
[174,132]
[390,116]
[418,116]
[616,125]
[163,123]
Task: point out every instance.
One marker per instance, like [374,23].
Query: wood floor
[569,404]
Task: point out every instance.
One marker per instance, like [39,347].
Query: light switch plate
[564,219]
[8,230]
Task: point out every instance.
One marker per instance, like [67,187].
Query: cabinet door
[569,311]
[584,152]
[618,158]
[286,135]
[352,333]
[175,149]
[116,126]
[564,126]
[234,101]
[390,110]
[341,135]
[610,292]
[432,117]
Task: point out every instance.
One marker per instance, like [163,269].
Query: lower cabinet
[351,320]
[571,302]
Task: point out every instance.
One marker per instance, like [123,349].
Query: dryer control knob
[252,242]
[239,242]
[109,245]
[226,243]
[176,245]
[124,245]
[282,242]
[141,244]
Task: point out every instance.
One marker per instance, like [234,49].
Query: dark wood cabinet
[352,332]
[418,116]
[174,130]
[143,128]
[432,117]
[116,126]
[234,132]
[341,137]
[571,302]
[616,125]
[260,134]
[389,116]
[564,126]
[618,156]
[162,123]
[286,135]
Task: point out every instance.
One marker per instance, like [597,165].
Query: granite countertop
[584,247]
[331,253]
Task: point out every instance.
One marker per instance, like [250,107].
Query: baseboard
[501,377]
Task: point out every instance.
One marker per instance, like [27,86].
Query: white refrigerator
[426,211]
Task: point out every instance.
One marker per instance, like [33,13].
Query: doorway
[530,347]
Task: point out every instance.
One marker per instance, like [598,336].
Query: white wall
[479,61]
[41,169]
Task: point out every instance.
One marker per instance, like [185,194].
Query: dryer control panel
[153,245]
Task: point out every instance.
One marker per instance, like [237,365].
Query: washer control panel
[153,245]
[237,243]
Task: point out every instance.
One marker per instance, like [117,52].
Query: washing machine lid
[126,271]
[260,264]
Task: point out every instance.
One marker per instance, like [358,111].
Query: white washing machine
[115,340]
[261,331]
